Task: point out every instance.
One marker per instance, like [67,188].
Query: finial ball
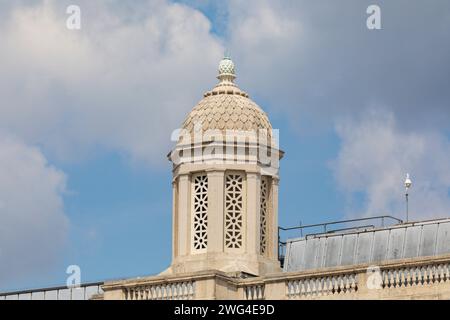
[226,66]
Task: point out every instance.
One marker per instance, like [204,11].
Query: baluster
[384,279]
[446,272]
[323,284]
[161,292]
[337,284]
[170,290]
[173,291]
[435,274]
[152,292]
[413,276]
[353,283]
[393,278]
[333,285]
[348,283]
[191,290]
[423,276]
[407,277]
[302,287]
[341,284]
[295,287]
[158,292]
[397,278]
[146,289]
[130,294]
[313,287]
[308,287]
[427,274]
[326,286]
[187,290]
[319,286]
[182,290]
[441,273]
[419,276]
[402,277]
[390,278]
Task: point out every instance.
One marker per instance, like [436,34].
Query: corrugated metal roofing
[429,238]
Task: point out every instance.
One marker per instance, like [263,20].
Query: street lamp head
[408,182]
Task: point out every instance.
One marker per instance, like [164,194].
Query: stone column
[215,210]
[273,225]
[175,218]
[253,213]
[184,215]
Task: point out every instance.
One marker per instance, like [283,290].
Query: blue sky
[86,119]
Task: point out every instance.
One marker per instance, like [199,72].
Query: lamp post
[408,184]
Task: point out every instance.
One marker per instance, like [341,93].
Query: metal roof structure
[371,246]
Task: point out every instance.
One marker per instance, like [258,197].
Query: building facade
[225,233]
[225,225]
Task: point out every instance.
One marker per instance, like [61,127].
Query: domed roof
[226,107]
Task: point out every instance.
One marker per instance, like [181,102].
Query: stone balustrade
[417,278]
[162,291]
[254,292]
[322,286]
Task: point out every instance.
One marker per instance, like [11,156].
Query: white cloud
[123,82]
[316,60]
[33,225]
[374,158]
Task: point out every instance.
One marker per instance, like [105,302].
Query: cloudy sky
[86,117]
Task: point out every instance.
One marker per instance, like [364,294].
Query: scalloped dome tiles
[226,107]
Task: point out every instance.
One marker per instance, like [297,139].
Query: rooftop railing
[82,292]
[326,228]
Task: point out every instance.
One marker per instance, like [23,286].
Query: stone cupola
[225,184]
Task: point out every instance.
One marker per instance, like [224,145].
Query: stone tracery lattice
[200,223]
[263,214]
[234,184]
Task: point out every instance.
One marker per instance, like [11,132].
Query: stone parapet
[424,278]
